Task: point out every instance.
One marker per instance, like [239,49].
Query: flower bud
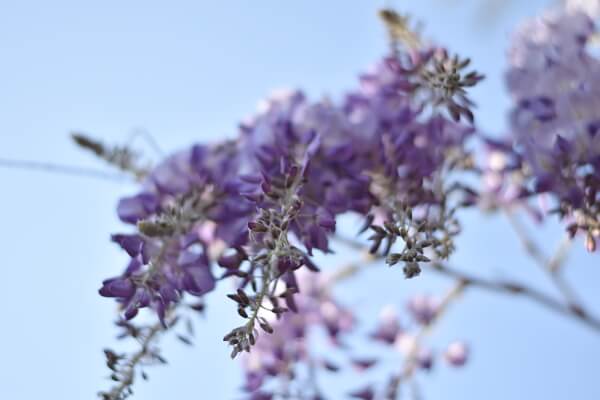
[411,269]
[590,243]
[457,354]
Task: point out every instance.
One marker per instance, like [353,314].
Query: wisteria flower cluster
[553,81]
[255,212]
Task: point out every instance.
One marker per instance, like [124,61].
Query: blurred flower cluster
[409,342]
[283,363]
[553,80]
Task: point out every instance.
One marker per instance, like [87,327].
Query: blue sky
[189,71]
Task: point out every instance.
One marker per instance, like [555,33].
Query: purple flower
[503,180]
[425,359]
[132,244]
[363,364]
[133,209]
[423,308]
[159,273]
[289,132]
[117,287]
[366,393]
[457,354]
[388,327]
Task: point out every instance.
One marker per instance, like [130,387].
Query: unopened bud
[590,243]
[411,269]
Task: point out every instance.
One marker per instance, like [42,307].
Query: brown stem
[62,169]
[412,358]
[550,266]
[346,271]
[349,242]
[514,288]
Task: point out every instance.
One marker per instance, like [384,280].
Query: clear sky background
[189,71]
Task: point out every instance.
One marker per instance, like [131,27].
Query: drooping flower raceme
[413,153]
[169,254]
[253,210]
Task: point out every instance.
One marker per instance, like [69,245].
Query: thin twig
[148,138]
[528,244]
[412,358]
[346,271]
[573,311]
[558,259]
[349,242]
[127,376]
[62,169]
[550,266]
[514,288]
